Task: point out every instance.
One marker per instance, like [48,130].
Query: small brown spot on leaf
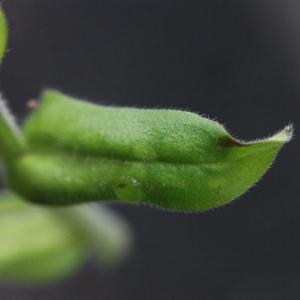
[121,185]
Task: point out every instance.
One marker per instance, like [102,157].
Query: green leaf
[108,235]
[36,245]
[81,152]
[3,34]
[41,244]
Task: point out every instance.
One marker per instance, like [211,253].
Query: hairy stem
[12,142]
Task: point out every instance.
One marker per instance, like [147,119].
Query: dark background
[237,61]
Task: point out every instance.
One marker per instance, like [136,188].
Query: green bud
[80,152]
[41,244]
[3,34]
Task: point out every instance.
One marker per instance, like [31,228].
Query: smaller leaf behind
[108,235]
[36,245]
[41,244]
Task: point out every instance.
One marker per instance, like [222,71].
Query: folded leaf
[81,152]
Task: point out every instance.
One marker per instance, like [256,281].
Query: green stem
[12,142]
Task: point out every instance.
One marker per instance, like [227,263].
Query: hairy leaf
[81,152]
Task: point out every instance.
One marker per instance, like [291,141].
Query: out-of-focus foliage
[39,244]
[35,243]
[3,34]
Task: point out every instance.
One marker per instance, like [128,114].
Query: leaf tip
[285,135]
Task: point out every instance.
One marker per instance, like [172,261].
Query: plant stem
[12,142]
